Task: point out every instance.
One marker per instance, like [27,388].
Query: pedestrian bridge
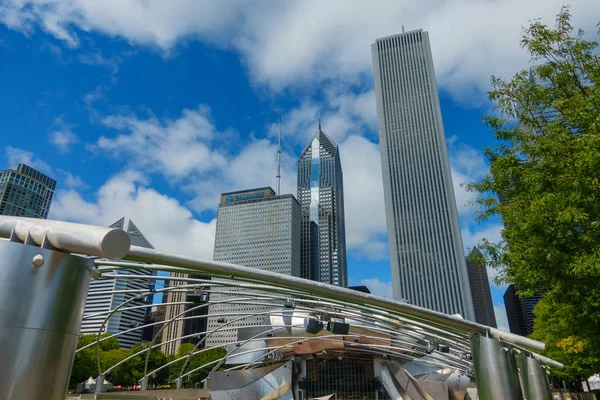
[284,337]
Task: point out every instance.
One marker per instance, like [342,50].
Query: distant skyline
[158,118]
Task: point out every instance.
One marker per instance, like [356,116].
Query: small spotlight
[313,326]
[289,304]
[338,328]
[221,320]
[443,348]
[357,340]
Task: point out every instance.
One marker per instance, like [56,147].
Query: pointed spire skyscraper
[321,198]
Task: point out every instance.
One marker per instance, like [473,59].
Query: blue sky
[151,109]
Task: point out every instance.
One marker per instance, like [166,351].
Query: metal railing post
[495,370]
[42,293]
[534,378]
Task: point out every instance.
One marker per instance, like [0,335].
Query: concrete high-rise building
[321,198]
[257,229]
[480,289]
[425,246]
[25,192]
[120,321]
[519,310]
[187,325]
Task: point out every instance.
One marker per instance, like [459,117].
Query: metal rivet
[38,261]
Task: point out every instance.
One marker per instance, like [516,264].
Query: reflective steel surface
[495,370]
[41,313]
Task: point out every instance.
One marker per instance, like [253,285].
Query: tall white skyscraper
[426,252]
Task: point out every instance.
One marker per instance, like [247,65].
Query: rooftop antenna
[319,121]
[279,159]
[402,28]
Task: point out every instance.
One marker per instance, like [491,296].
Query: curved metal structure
[311,335]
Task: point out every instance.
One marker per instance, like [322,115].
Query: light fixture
[338,328]
[443,348]
[313,326]
[289,304]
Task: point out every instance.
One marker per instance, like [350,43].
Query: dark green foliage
[131,371]
[196,361]
[544,184]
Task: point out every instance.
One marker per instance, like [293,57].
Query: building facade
[519,310]
[256,229]
[426,253]
[321,198]
[480,289]
[25,192]
[187,320]
[97,306]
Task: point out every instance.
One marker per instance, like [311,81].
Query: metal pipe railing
[115,243]
[67,236]
[317,288]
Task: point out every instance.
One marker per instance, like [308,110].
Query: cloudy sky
[151,109]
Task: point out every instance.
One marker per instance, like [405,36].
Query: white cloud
[343,111]
[63,137]
[71,181]
[191,152]
[163,220]
[501,318]
[94,95]
[295,43]
[378,288]
[473,234]
[366,229]
[16,156]
[176,148]
[467,165]
[63,140]
[96,58]
[254,166]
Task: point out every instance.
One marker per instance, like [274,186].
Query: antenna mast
[279,160]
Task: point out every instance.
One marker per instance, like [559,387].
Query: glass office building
[25,192]
[426,252]
[256,229]
[97,306]
[321,198]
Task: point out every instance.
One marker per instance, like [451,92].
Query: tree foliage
[131,371]
[544,184]
[196,361]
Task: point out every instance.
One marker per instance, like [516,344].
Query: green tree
[544,184]
[126,374]
[195,361]
[84,364]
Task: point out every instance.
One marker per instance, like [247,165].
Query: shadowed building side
[480,289]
